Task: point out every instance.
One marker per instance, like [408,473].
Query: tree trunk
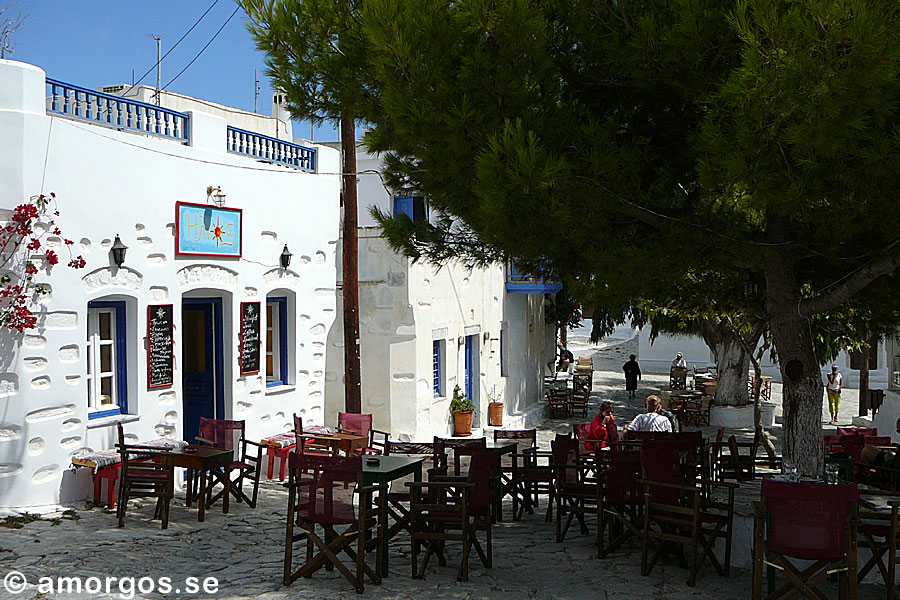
[864,381]
[803,389]
[732,362]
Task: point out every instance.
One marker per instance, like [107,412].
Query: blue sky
[99,42]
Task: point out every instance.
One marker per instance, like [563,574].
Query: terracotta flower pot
[495,409]
[462,422]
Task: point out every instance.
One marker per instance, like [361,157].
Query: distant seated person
[603,430]
[880,456]
[679,362]
[566,358]
[651,420]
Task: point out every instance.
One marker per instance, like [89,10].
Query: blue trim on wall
[282,340]
[218,350]
[469,371]
[121,358]
[438,368]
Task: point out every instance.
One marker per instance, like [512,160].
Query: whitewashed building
[424,330]
[656,357]
[152,175]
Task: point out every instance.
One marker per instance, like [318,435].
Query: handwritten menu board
[250,338]
[160,346]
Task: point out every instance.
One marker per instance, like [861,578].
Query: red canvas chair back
[360,424]
[857,431]
[878,440]
[480,474]
[225,434]
[853,444]
[298,430]
[580,430]
[565,454]
[807,520]
[661,461]
[328,497]
[640,435]
[459,452]
[621,472]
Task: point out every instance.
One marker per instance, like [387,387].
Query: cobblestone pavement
[243,550]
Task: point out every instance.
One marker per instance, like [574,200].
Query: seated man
[651,420]
[881,456]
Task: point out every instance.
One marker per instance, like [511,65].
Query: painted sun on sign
[208,230]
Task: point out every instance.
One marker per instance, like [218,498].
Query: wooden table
[209,463]
[341,441]
[389,468]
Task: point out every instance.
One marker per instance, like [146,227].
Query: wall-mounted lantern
[216,194]
[286,257]
[118,252]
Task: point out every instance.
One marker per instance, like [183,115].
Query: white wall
[656,357]
[109,183]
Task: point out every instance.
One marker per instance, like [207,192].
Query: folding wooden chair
[878,532]
[321,491]
[621,497]
[810,522]
[575,493]
[147,471]
[229,435]
[361,424]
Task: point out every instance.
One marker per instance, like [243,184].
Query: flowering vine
[23,254]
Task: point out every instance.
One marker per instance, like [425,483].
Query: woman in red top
[603,428]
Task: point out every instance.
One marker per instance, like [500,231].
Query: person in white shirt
[834,386]
[679,362]
[651,420]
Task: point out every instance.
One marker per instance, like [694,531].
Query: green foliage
[460,403]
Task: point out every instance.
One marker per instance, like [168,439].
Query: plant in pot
[463,412]
[495,408]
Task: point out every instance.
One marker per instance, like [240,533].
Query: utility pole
[255,90]
[158,61]
[350,248]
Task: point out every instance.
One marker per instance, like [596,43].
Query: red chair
[621,497]
[879,532]
[842,431]
[321,491]
[361,424]
[809,522]
[444,506]
[146,471]
[229,435]
[576,494]
[682,509]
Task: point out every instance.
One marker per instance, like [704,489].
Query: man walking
[834,387]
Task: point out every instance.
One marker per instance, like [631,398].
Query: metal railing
[107,109]
[269,149]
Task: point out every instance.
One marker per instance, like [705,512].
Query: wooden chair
[361,424]
[321,491]
[809,522]
[305,443]
[682,512]
[621,497]
[398,497]
[459,453]
[677,378]
[521,477]
[695,411]
[578,399]
[146,471]
[878,532]
[229,435]
[558,401]
[575,493]
[453,508]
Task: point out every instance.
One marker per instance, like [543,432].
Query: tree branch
[854,282]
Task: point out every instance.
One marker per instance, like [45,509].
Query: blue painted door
[470,371]
[198,365]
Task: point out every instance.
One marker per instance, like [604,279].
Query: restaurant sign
[205,230]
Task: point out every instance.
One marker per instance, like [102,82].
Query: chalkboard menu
[160,346]
[249,358]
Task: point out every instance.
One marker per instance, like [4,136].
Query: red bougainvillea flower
[51,257]
[31,269]
[34,244]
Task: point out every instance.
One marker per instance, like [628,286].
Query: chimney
[283,129]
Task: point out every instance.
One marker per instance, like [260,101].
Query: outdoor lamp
[118,252]
[217,195]
[286,257]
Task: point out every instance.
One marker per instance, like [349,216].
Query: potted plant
[463,412]
[495,408]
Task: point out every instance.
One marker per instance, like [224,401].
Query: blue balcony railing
[519,282]
[269,149]
[123,114]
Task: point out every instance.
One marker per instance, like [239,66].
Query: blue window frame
[470,375]
[413,207]
[107,359]
[438,367]
[276,341]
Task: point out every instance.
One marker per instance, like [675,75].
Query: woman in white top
[834,386]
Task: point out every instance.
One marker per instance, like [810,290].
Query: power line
[197,22]
[204,47]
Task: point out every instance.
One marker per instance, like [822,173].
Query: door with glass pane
[198,365]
